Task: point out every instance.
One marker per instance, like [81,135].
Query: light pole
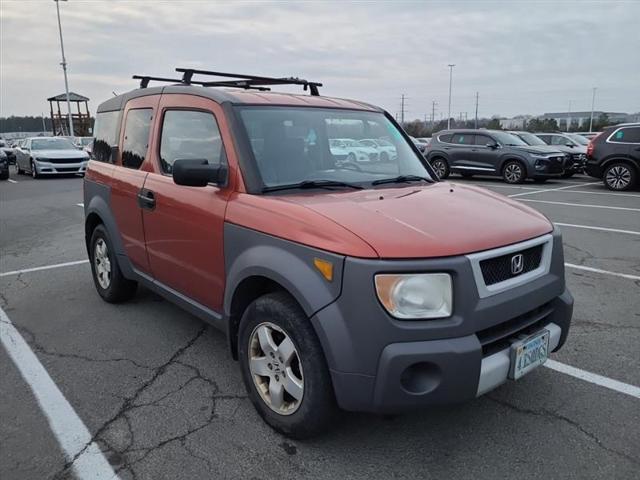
[64,69]
[451,65]
[593,101]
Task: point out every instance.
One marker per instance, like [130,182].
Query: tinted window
[106,135]
[560,140]
[545,138]
[484,140]
[445,138]
[51,144]
[627,135]
[136,137]
[189,134]
[463,138]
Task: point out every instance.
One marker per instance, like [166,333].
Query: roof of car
[239,97]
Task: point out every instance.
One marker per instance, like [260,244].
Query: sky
[522,57]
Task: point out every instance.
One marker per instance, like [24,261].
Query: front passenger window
[190,134]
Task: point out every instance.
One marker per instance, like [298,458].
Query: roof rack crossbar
[145,79]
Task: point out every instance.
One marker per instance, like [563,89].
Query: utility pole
[402,112]
[451,65]
[569,117]
[593,101]
[64,69]
[433,112]
[476,122]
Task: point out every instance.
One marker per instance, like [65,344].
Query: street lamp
[451,65]
[593,101]
[64,69]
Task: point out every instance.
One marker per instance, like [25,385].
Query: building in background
[579,119]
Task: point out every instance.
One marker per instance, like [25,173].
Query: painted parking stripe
[45,267]
[588,192]
[548,190]
[594,378]
[70,432]
[603,229]
[599,270]
[629,209]
[11,180]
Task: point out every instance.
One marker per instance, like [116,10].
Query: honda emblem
[517,264]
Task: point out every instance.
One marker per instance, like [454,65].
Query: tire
[567,174]
[441,167]
[110,283]
[277,321]
[34,171]
[619,176]
[514,172]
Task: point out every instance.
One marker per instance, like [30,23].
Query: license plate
[528,354]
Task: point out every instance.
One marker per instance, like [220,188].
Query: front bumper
[380,364]
[50,168]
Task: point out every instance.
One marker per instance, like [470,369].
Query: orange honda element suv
[342,278]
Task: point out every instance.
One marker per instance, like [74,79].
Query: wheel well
[504,164]
[92,221]
[246,292]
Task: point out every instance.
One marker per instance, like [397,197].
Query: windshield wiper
[402,179]
[312,184]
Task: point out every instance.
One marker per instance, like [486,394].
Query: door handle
[146,199]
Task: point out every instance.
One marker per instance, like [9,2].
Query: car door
[485,155]
[460,153]
[129,175]
[184,229]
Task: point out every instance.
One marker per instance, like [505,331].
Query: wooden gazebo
[81,119]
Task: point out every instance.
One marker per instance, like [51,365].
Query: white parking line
[599,270]
[11,180]
[594,378]
[45,267]
[604,229]
[548,190]
[616,194]
[70,432]
[580,205]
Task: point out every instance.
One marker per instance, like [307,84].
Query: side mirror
[492,145]
[198,173]
[570,145]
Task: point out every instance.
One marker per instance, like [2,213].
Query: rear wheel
[441,167]
[513,172]
[112,286]
[619,176]
[283,367]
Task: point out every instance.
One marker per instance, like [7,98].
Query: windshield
[51,144]
[84,141]
[297,144]
[508,139]
[531,139]
[579,139]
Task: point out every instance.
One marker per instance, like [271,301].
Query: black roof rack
[252,82]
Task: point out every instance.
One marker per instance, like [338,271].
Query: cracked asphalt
[163,399]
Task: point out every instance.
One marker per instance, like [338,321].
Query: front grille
[62,160]
[66,169]
[496,338]
[499,269]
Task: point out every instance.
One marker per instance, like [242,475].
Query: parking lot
[161,397]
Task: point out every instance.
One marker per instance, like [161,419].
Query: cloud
[523,57]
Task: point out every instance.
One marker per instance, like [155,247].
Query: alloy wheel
[439,167]
[618,177]
[276,369]
[102,263]
[513,172]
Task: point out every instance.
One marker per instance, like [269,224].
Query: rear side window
[106,135]
[136,137]
[463,138]
[445,138]
[627,135]
[190,134]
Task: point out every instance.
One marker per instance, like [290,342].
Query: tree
[494,124]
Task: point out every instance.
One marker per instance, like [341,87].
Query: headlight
[541,157]
[415,296]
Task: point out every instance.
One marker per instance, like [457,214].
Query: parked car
[83,143]
[357,287]
[42,156]
[352,150]
[386,150]
[588,135]
[492,152]
[8,151]
[571,165]
[425,140]
[422,146]
[574,145]
[614,156]
[4,165]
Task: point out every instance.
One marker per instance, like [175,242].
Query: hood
[575,149]
[436,220]
[538,149]
[71,153]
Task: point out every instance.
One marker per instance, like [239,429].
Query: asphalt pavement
[162,399]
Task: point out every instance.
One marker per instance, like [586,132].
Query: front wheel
[283,367]
[513,172]
[34,171]
[112,286]
[441,167]
[619,176]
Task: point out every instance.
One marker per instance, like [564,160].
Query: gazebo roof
[73,97]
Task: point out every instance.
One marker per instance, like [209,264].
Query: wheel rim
[33,170]
[618,177]
[513,172]
[276,369]
[102,263]
[439,167]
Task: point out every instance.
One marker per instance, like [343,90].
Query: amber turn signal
[324,267]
